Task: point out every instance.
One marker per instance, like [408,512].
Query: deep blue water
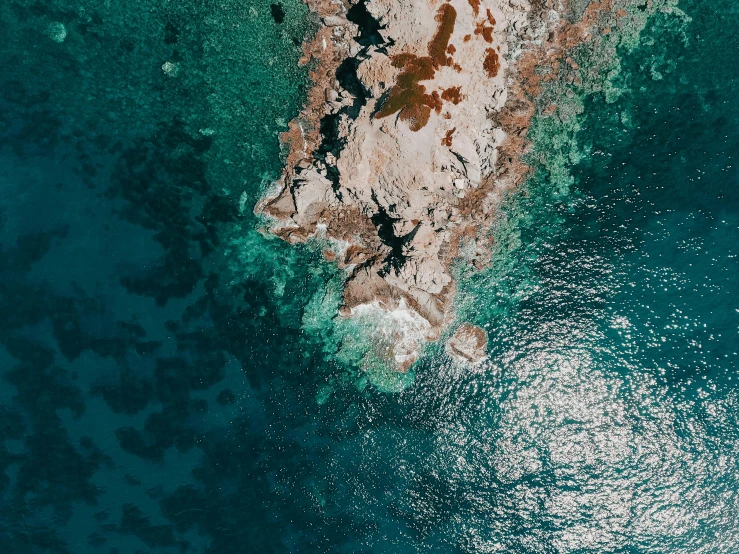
[160,383]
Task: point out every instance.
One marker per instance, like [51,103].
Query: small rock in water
[469,344]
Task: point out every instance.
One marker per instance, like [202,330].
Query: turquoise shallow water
[162,362]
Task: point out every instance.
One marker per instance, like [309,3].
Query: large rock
[422,148]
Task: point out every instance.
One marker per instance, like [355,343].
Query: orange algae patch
[447,140]
[452,95]
[491,65]
[467,38]
[451,49]
[475,6]
[434,102]
[416,116]
[491,19]
[485,31]
[408,96]
[446,17]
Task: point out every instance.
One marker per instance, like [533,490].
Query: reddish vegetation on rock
[446,17]
[447,140]
[408,96]
[475,6]
[452,94]
[486,32]
[491,63]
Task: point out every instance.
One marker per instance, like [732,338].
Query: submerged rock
[57,31]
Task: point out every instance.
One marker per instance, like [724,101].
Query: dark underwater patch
[277,12]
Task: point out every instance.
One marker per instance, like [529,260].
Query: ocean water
[172,380]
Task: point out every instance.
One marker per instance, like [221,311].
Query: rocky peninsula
[412,133]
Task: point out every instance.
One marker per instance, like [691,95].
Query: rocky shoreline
[412,134]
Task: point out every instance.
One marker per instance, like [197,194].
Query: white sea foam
[400,332]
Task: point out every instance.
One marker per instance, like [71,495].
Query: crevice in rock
[369,27]
[346,75]
[383,221]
